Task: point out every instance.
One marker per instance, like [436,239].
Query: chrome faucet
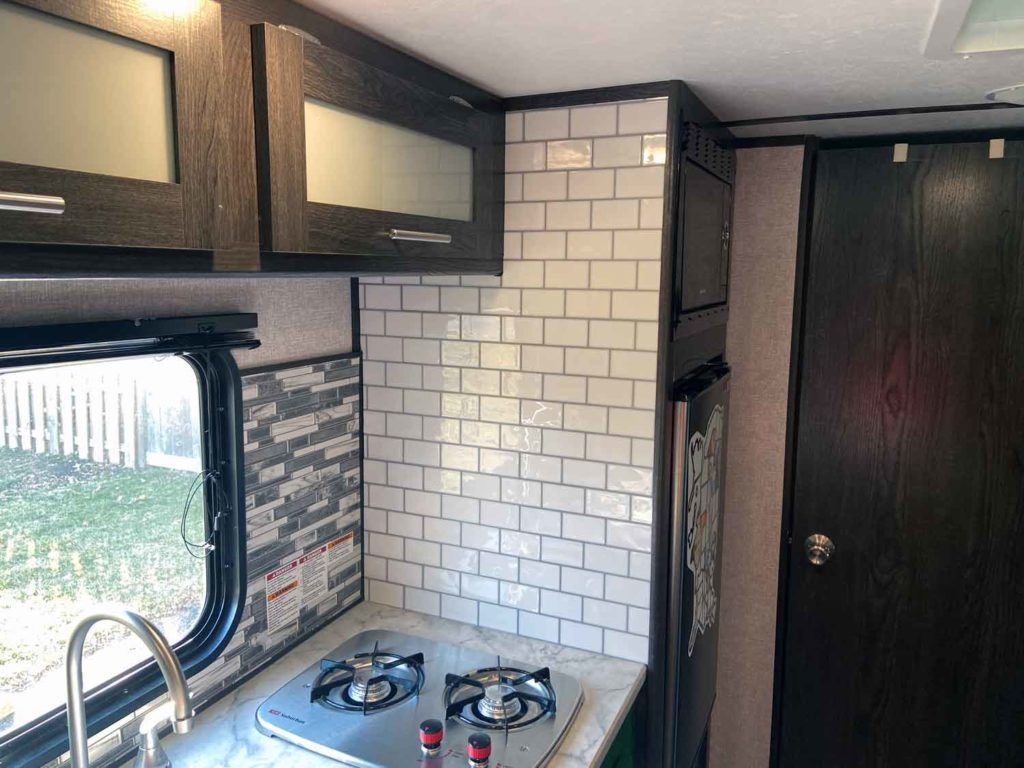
[178,709]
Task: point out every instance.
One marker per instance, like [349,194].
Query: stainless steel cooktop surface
[387,700]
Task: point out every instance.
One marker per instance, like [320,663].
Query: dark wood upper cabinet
[362,170]
[110,113]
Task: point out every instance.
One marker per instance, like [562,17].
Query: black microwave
[702,257]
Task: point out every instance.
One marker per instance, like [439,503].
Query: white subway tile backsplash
[509,420]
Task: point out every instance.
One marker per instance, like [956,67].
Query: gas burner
[498,698]
[368,682]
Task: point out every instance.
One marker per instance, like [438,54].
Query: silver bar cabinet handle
[20,201]
[419,237]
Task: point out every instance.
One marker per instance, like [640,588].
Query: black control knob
[431,735]
[478,749]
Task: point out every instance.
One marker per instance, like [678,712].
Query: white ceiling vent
[965,27]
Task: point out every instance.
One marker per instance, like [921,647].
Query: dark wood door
[907,647]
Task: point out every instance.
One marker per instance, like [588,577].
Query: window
[117,484]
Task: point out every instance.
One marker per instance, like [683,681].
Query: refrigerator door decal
[703,505]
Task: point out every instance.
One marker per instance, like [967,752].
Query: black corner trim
[590,96]
[890,112]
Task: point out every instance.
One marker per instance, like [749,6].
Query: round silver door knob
[819,549]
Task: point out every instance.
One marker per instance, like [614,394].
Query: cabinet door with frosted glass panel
[354,161]
[107,130]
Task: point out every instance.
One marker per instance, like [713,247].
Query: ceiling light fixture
[1011,94]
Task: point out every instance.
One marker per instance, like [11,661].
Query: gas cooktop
[383,699]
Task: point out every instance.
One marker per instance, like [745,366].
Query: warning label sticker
[303,581]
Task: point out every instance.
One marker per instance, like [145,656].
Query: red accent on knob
[431,733]
[479,746]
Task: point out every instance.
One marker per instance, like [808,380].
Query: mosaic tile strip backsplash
[302,489]
[510,421]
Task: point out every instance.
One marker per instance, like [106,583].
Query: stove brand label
[703,507]
[303,582]
[279,713]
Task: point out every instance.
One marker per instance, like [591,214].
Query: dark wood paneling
[39,260]
[592,96]
[907,648]
[100,209]
[280,137]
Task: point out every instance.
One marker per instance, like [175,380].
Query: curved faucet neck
[157,645]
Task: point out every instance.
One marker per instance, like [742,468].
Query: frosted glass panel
[356,161]
[76,98]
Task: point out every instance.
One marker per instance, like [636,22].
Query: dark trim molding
[939,137]
[814,117]
[811,146]
[793,140]
[590,96]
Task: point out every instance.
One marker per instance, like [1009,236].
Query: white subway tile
[565,388]
[640,565]
[513,246]
[543,359]
[539,574]
[565,444]
[383,399]
[544,245]
[438,280]
[568,215]
[499,566]
[441,580]
[481,382]
[499,356]
[586,418]
[539,627]
[386,594]
[591,246]
[538,520]
[615,214]
[613,275]
[524,216]
[581,582]
[635,480]
[375,567]
[561,551]
[546,185]
[382,545]
[513,187]
[498,617]
[481,328]
[525,439]
[643,116]
[426,351]
[404,375]
[643,453]
[647,336]
[654,149]
[622,645]
[634,365]
[577,635]
[460,353]
[591,185]
[384,348]
[520,491]
[588,304]
[536,467]
[423,403]
[516,384]
[639,621]
[574,153]
[640,244]
[481,486]
[422,601]
[520,596]
[500,301]
[540,413]
[586,362]
[648,181]
[635,305]
[629,591]
[602,503]
[442,480]
[583,528]
[589,474]
[387,448]
[460,457]
[629,535]
[525,157]
[607,559]
[371,322]
[566,274]
[443,531]
[604,614]
[612,334]
[405,476]
[502,463]
[441,326]
[560,604]
[481,434]
[459,609]
[373,423]
[382,297]
[522,330]
[404,324]
[375,472]
[466,300]
[592,121]
[619,151]
[423,503]
[385,497]
[523,545]
[563,498]
[631,422]
[423,552]
[570,333]
[500,515]
[460,559]
[480,281]
[523,274]
[441,430]
[479,588]
[502,409]
[419,297]
[408,574]
[651,213]
[543,124]
[513,126]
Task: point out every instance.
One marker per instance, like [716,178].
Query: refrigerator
[700,419]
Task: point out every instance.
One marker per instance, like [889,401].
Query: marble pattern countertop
[225,735]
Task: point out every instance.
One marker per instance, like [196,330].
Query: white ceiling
[745,58]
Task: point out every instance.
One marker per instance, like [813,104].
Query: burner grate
[498,698]
[368,682]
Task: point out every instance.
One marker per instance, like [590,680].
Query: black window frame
[205,342]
